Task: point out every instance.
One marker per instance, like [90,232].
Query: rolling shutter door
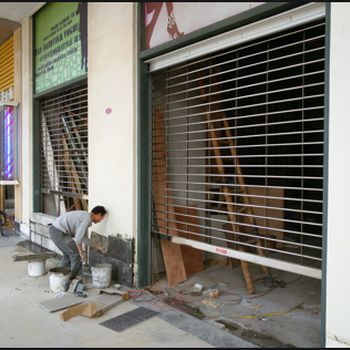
[6,70]
[64,146]
[238,149]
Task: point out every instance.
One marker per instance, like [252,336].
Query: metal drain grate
[130,318]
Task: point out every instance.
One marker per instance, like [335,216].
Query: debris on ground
[195,291]
[211,303]
[112,291]
[222,284]
[80,287]
[211,292]
[80,294]
[249,303]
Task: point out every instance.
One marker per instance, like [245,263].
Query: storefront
[9,130]
[238,140]
[60,102]
[233,112]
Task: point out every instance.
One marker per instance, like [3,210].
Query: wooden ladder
[216,120]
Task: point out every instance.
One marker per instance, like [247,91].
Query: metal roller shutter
[238,150]
[64,145]
[6,70]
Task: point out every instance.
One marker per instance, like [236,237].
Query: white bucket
[59,277]
[101,275]
[36,268]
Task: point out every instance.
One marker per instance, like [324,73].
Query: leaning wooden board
[193,258]
[172,254]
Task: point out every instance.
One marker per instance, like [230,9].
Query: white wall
[338,240]
[112,137]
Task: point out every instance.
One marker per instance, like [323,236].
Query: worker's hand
[83,256]
[102,249]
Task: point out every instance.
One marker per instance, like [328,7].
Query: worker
[69,231]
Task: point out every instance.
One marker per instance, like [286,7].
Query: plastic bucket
[59,277]
[101,275]
[36,268]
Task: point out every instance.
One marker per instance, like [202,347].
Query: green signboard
[60,43]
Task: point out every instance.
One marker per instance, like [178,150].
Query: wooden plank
[246,273]
[172,254]
[213,125]
[192,257]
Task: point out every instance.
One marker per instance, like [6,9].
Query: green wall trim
[325,176]
[255,14]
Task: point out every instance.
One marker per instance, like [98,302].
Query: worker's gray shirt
[76,224]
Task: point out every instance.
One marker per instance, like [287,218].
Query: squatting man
[69,231]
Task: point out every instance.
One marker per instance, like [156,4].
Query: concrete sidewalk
[23,323]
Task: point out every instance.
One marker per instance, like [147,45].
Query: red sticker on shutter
[223,251]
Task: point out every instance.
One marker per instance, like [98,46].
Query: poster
[165,21]
[60,44]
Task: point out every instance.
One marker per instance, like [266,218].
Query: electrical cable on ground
[177,302]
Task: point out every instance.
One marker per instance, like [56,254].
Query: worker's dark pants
[70,253]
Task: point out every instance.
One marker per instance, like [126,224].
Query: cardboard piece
[93,308]
[88,310]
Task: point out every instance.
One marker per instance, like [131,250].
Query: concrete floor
[23,323]
[245,315]
[240,320]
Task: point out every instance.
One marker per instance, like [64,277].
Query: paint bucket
[36,268]
[101,275]
[59,278]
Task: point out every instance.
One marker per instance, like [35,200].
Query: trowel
[85,268]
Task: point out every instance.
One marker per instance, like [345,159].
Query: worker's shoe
[67,284]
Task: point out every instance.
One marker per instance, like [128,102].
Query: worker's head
[98,213]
